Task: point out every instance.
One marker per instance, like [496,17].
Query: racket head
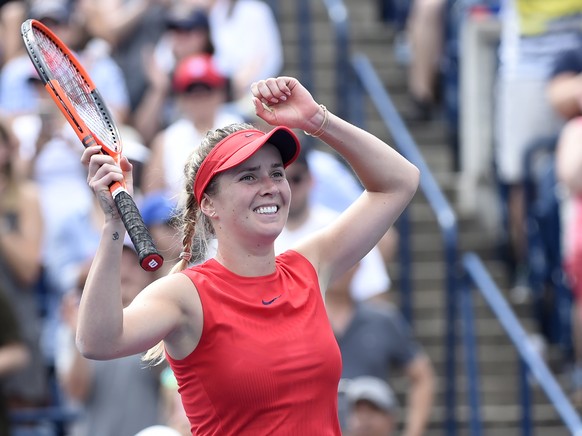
[71,87]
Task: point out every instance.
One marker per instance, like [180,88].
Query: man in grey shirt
[374,338]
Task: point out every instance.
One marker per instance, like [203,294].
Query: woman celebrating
[246,332]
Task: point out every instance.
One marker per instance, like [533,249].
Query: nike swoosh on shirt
[266,303]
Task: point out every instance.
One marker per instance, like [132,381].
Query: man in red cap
[200,92]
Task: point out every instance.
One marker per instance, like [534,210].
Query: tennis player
[246,332]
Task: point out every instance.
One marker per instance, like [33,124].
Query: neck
[203,124]
[247,263]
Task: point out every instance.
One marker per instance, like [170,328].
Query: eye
[247,177]
[278,174]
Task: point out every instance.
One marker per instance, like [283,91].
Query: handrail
[480,277]
[444,213]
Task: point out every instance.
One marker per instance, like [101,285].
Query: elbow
[83,347]
[99,348]
[413,181]
[90,349]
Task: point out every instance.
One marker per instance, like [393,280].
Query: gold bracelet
[323,126]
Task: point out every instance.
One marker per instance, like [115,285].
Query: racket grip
[149,258]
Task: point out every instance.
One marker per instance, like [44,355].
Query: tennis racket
[74,93]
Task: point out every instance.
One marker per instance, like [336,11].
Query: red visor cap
[238,147]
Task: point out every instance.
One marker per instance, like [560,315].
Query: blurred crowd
[536,145]
[168,70]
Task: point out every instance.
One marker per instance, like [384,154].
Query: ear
[207,206]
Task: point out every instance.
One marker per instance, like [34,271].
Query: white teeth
[266,209]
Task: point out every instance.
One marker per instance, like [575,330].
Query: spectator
[564,93]
[248,46]
[17,95]
[372,407]
[200,95]
[14,356]
[158,211]
[21,230]
[375,340]
[425,33]
[117,397]
[128,27]
[531,39]
[307,216]
[187,34]
[568,171]
[12,14]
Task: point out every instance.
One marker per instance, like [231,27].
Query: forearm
[100,322]
[113,21]
[378,166]
[77,379]
[420,398]
[418,412]
[147,115]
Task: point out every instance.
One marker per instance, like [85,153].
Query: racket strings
[79,92]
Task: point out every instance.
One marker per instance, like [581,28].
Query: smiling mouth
[266,210]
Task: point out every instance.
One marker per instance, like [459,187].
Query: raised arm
[390,181]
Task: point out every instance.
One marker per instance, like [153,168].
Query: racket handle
[149,258]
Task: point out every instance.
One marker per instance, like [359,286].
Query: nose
[269,186]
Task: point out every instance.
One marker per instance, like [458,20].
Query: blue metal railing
[531,361]
[444,213]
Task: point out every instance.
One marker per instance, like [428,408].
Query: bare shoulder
[178,288]
[173,306]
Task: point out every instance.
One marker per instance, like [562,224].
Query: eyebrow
[258,167]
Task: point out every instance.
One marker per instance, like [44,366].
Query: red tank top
[267,362]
